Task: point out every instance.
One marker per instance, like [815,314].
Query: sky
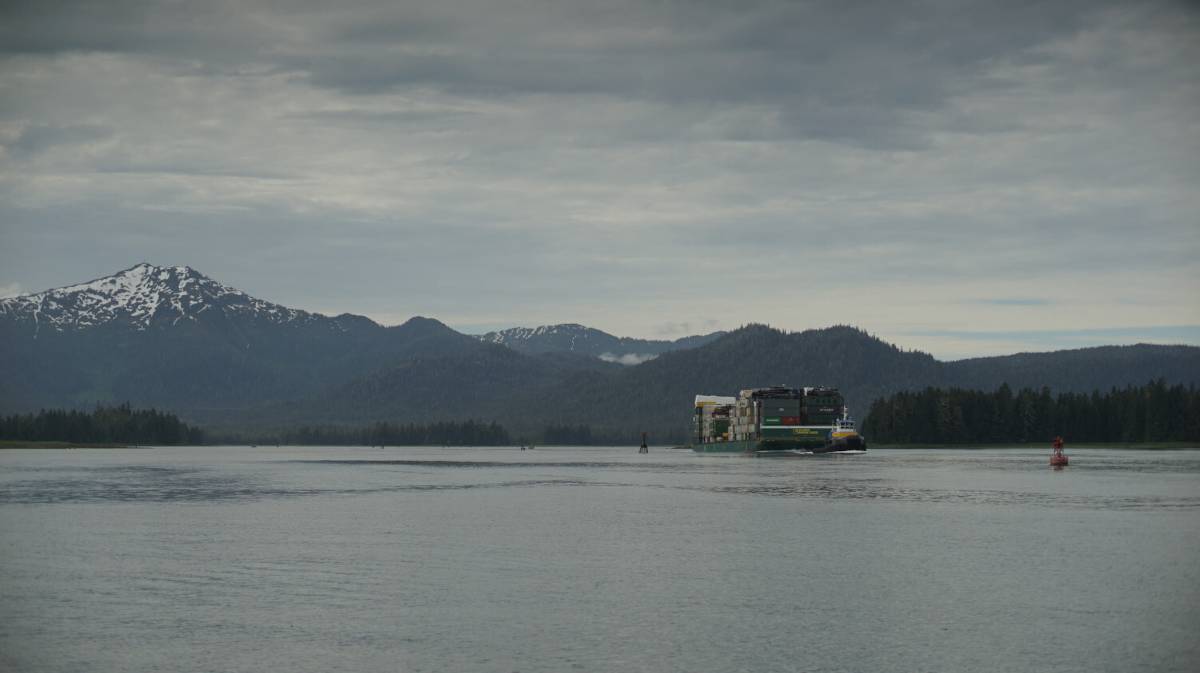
[964,178]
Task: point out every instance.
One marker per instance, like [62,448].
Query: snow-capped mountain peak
[141,296]
[520,334]
[582,340]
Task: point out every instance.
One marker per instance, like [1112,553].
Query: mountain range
[172,338]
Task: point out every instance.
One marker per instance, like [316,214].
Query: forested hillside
[1154,412]
[657,396]
[539,396]
[1079,370]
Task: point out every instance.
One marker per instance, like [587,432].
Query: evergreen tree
[1155,412]
[104,425]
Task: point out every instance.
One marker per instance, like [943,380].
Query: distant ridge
[576,338]
[1079,369]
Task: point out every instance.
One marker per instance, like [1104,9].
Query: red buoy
[1058,458]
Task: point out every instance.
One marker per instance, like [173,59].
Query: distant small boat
[1058,458]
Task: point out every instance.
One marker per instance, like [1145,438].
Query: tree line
[104,425]
[1154,412]
[124,425]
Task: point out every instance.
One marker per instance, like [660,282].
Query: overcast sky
[964,178]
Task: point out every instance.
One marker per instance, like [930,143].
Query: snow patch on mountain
[142,296]
[517,334]
[583,340]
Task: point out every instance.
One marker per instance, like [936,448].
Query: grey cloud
[359,118]
[211,29]
[413,24]
[855,74]
[37,138]
[863,75]
[686,328]
[1014,301]
[190,168]
[50,27]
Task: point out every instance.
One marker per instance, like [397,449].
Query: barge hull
[765,447]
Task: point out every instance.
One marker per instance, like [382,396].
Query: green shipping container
[798,433]
[777,409]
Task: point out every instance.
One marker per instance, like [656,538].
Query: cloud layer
[943,168]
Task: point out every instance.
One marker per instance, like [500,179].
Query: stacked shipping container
[767,413]
[713,418]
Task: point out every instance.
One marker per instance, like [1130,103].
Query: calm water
[331,559]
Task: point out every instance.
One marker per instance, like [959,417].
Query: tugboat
[843,436]
[1058,459]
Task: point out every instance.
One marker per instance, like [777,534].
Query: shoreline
[21,444]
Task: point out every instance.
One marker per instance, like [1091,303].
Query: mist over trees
[1154,412]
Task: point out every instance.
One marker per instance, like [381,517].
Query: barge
[778,420]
